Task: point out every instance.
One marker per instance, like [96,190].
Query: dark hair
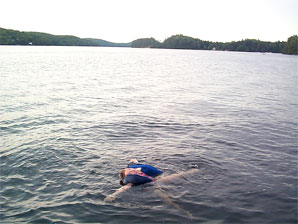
[122,174]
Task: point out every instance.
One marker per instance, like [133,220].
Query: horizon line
[145,37]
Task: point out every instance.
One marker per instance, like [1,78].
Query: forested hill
[248,45]
[14,37]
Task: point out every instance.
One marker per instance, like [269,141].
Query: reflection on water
[71,118]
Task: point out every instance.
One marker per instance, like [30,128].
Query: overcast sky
[127,20]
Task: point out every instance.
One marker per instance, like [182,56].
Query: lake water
[72,117]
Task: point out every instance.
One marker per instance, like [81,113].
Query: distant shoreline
[248,45]
[15,37]
[10,37]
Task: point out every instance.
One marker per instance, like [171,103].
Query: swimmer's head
[122,174]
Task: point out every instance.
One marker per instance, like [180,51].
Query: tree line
[247,45]
[14,37]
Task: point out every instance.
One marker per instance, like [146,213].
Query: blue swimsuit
[136,179]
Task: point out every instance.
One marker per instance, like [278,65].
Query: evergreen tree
[291,46]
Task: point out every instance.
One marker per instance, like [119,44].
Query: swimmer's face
[128,171]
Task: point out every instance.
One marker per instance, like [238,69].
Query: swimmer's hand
[134,161]
[109,198]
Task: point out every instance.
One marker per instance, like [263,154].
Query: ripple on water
[71,118]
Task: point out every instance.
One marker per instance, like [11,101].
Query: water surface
[72,117]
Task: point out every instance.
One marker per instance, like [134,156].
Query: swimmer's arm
[112,197]
[176,176]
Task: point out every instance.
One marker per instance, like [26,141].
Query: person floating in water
[137,174]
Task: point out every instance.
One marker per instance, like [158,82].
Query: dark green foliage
[252,45]
[180,42]
[184,42]
[13,37]
[291,47]
[145,43]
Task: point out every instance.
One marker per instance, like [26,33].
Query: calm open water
[72,117]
